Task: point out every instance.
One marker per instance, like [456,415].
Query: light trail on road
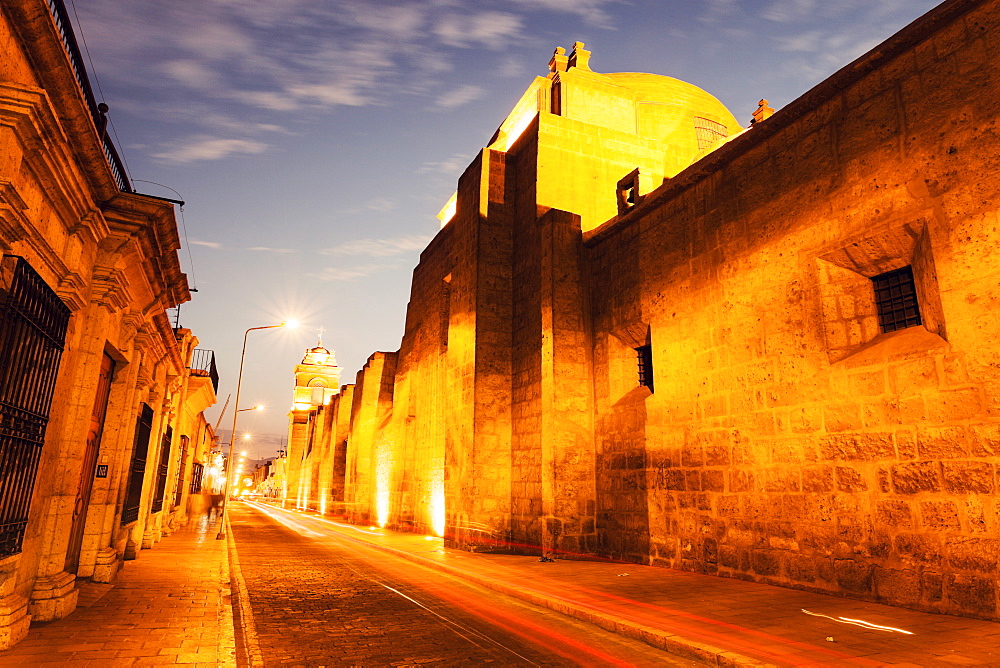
[716,633]
[512,632]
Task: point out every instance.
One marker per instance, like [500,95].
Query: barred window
[896,299]
[708,132]
[644,357]
[197,471]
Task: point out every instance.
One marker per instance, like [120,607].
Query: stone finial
[579,57]
[558,61]
[763,112]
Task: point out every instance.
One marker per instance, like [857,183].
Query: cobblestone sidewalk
[170,606]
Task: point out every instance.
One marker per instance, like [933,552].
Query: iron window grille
[161,470]
[137,470]
[896,299]
[33,323]
[197,471]
[644,357]
[179,486]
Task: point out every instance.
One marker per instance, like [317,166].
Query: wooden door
[89,467]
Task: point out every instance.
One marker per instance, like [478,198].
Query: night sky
[315,141]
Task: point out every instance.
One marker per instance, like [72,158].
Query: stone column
[567,402]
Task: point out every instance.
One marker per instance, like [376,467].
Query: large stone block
[857,447]
[973,554]
[968,477]
[850,480]
[765,562]
[898,586]
[896,514]
[916,477]
[918,548]
[968,593]
[854,576]
[939,516]
[943,443]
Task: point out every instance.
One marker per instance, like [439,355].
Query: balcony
[203,366]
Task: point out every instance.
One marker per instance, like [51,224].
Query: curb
[668,642]
[250,645]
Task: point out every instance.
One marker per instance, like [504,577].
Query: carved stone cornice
[153,225]
[71,289]
[49,153]
[131,323]
[111,289]
[14,222]
[91,228]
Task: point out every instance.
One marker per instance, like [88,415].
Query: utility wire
[97,80]
[187,245]
[118,141]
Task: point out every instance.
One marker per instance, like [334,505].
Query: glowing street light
[239,382]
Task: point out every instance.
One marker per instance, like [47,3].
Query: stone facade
[687,365]
[103,261]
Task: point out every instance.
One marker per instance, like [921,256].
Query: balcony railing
[97,111]
[203,365]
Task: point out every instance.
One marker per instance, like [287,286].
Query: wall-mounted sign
[102,471]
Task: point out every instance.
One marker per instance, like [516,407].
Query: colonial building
[102,436]
[647,333]
[308,469]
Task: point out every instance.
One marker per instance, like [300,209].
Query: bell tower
[317,378]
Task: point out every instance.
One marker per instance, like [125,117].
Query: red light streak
[618,607]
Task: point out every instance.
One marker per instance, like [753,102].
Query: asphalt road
[314,598]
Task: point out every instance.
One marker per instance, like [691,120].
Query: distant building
[309,470]
[646,333]
[103,438]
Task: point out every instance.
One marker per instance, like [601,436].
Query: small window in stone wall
[896,300]
[644,357]
[876,284]
[627,192]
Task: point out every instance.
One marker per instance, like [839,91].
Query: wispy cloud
[209,244]
[459,96]
[210,148]
[378,204]
[348,273]
[380,247]
[591,10]
[789,11]
[266,65]
[268,249]
[452,166]
[487,29]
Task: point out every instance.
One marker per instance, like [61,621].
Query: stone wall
[788,440]
[784,437]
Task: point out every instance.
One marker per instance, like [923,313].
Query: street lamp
[232,438]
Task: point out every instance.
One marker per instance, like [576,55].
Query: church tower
[317,378]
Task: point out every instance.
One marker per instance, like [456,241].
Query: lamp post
[232,436]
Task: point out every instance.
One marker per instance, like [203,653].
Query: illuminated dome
[319,356]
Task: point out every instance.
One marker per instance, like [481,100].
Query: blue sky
[314,141]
